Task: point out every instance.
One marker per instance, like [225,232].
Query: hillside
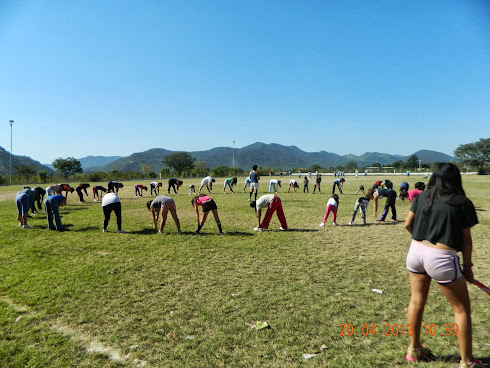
[269,155]
[96,161]
[18,161]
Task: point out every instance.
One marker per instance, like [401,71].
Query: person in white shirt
[110,202]
[208,183]
[293,184]
[273,183]
[273,204]
[332,206]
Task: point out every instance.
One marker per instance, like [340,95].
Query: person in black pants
[80,188]
[114,186]
[318,180]
[173,183]
[110,203]
[390,203]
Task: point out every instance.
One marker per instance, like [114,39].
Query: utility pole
[11,122]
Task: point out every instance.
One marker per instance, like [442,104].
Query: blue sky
[114,77]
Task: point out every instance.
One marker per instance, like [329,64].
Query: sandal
[420,354]
[475,363]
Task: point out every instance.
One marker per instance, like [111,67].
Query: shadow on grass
[301,230]
[87,228]
[456,358]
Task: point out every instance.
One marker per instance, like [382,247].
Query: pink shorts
[168,205]
[440,264]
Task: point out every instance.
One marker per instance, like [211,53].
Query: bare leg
[456,293]
[164,218]
[419,286]
[173,212]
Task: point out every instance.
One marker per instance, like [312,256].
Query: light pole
[11,122]
[233,157]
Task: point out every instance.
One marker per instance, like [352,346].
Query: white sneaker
[159,231]
[26,227]
[334,223]
[257,229]
[282,229]
[121,231]
[104,231]
[322,224]
[351,223]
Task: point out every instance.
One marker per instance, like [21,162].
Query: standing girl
[332,206]
[305,184]
[207,205]
[440,221]
[318,180]
[254,182]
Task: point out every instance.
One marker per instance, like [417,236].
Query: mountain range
[266,155]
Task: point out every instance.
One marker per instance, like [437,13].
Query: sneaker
[179,232]
[334,223]
[322,224]
[475,363]
[26,227]
[159,231]
[121,231]
[418,354]
[282,229]
[221,233]
[104,231]
[257,229]
[351,223]
[248,200]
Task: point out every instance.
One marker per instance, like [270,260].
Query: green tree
[26,171]
[315,168]
[145,169]
[220,171]
[43,176]
[350,166]
[179,161]
[413,162]
[475,154]
[67,166]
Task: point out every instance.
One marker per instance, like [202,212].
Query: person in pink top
[207,205]
[413,193]
[138,190]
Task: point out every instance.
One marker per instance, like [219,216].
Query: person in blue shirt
[51,206]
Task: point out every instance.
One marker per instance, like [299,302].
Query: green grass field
[83,298]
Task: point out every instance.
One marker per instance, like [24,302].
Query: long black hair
[444,181]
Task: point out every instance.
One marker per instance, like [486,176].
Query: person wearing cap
[51,207]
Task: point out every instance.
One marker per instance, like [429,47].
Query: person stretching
[390,195]
[111,202]
[39,199]
[138,190]
[440,222]
[293,184]
[362,204]
[175,185]
[208,183]
[51,207]
[114,186]
[59,188]
[207,205]
[162,205]
[254,182]
[96,189]
[318,180]
[332,206]
[339,183]
[247,183]
[155,187]
[79,189]
[273,204]
[230,182]
[273,183]
[24,200]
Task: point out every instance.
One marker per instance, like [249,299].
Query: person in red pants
[273,204]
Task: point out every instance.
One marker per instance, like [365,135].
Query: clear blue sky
[107,78]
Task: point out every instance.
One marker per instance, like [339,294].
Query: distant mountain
[266,155]
[96,161]
[18,161]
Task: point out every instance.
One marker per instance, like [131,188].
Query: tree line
[471,156]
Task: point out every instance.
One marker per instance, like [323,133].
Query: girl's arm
[467,253]
[409,221]
[197,212]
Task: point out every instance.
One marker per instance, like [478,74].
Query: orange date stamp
[394,329]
